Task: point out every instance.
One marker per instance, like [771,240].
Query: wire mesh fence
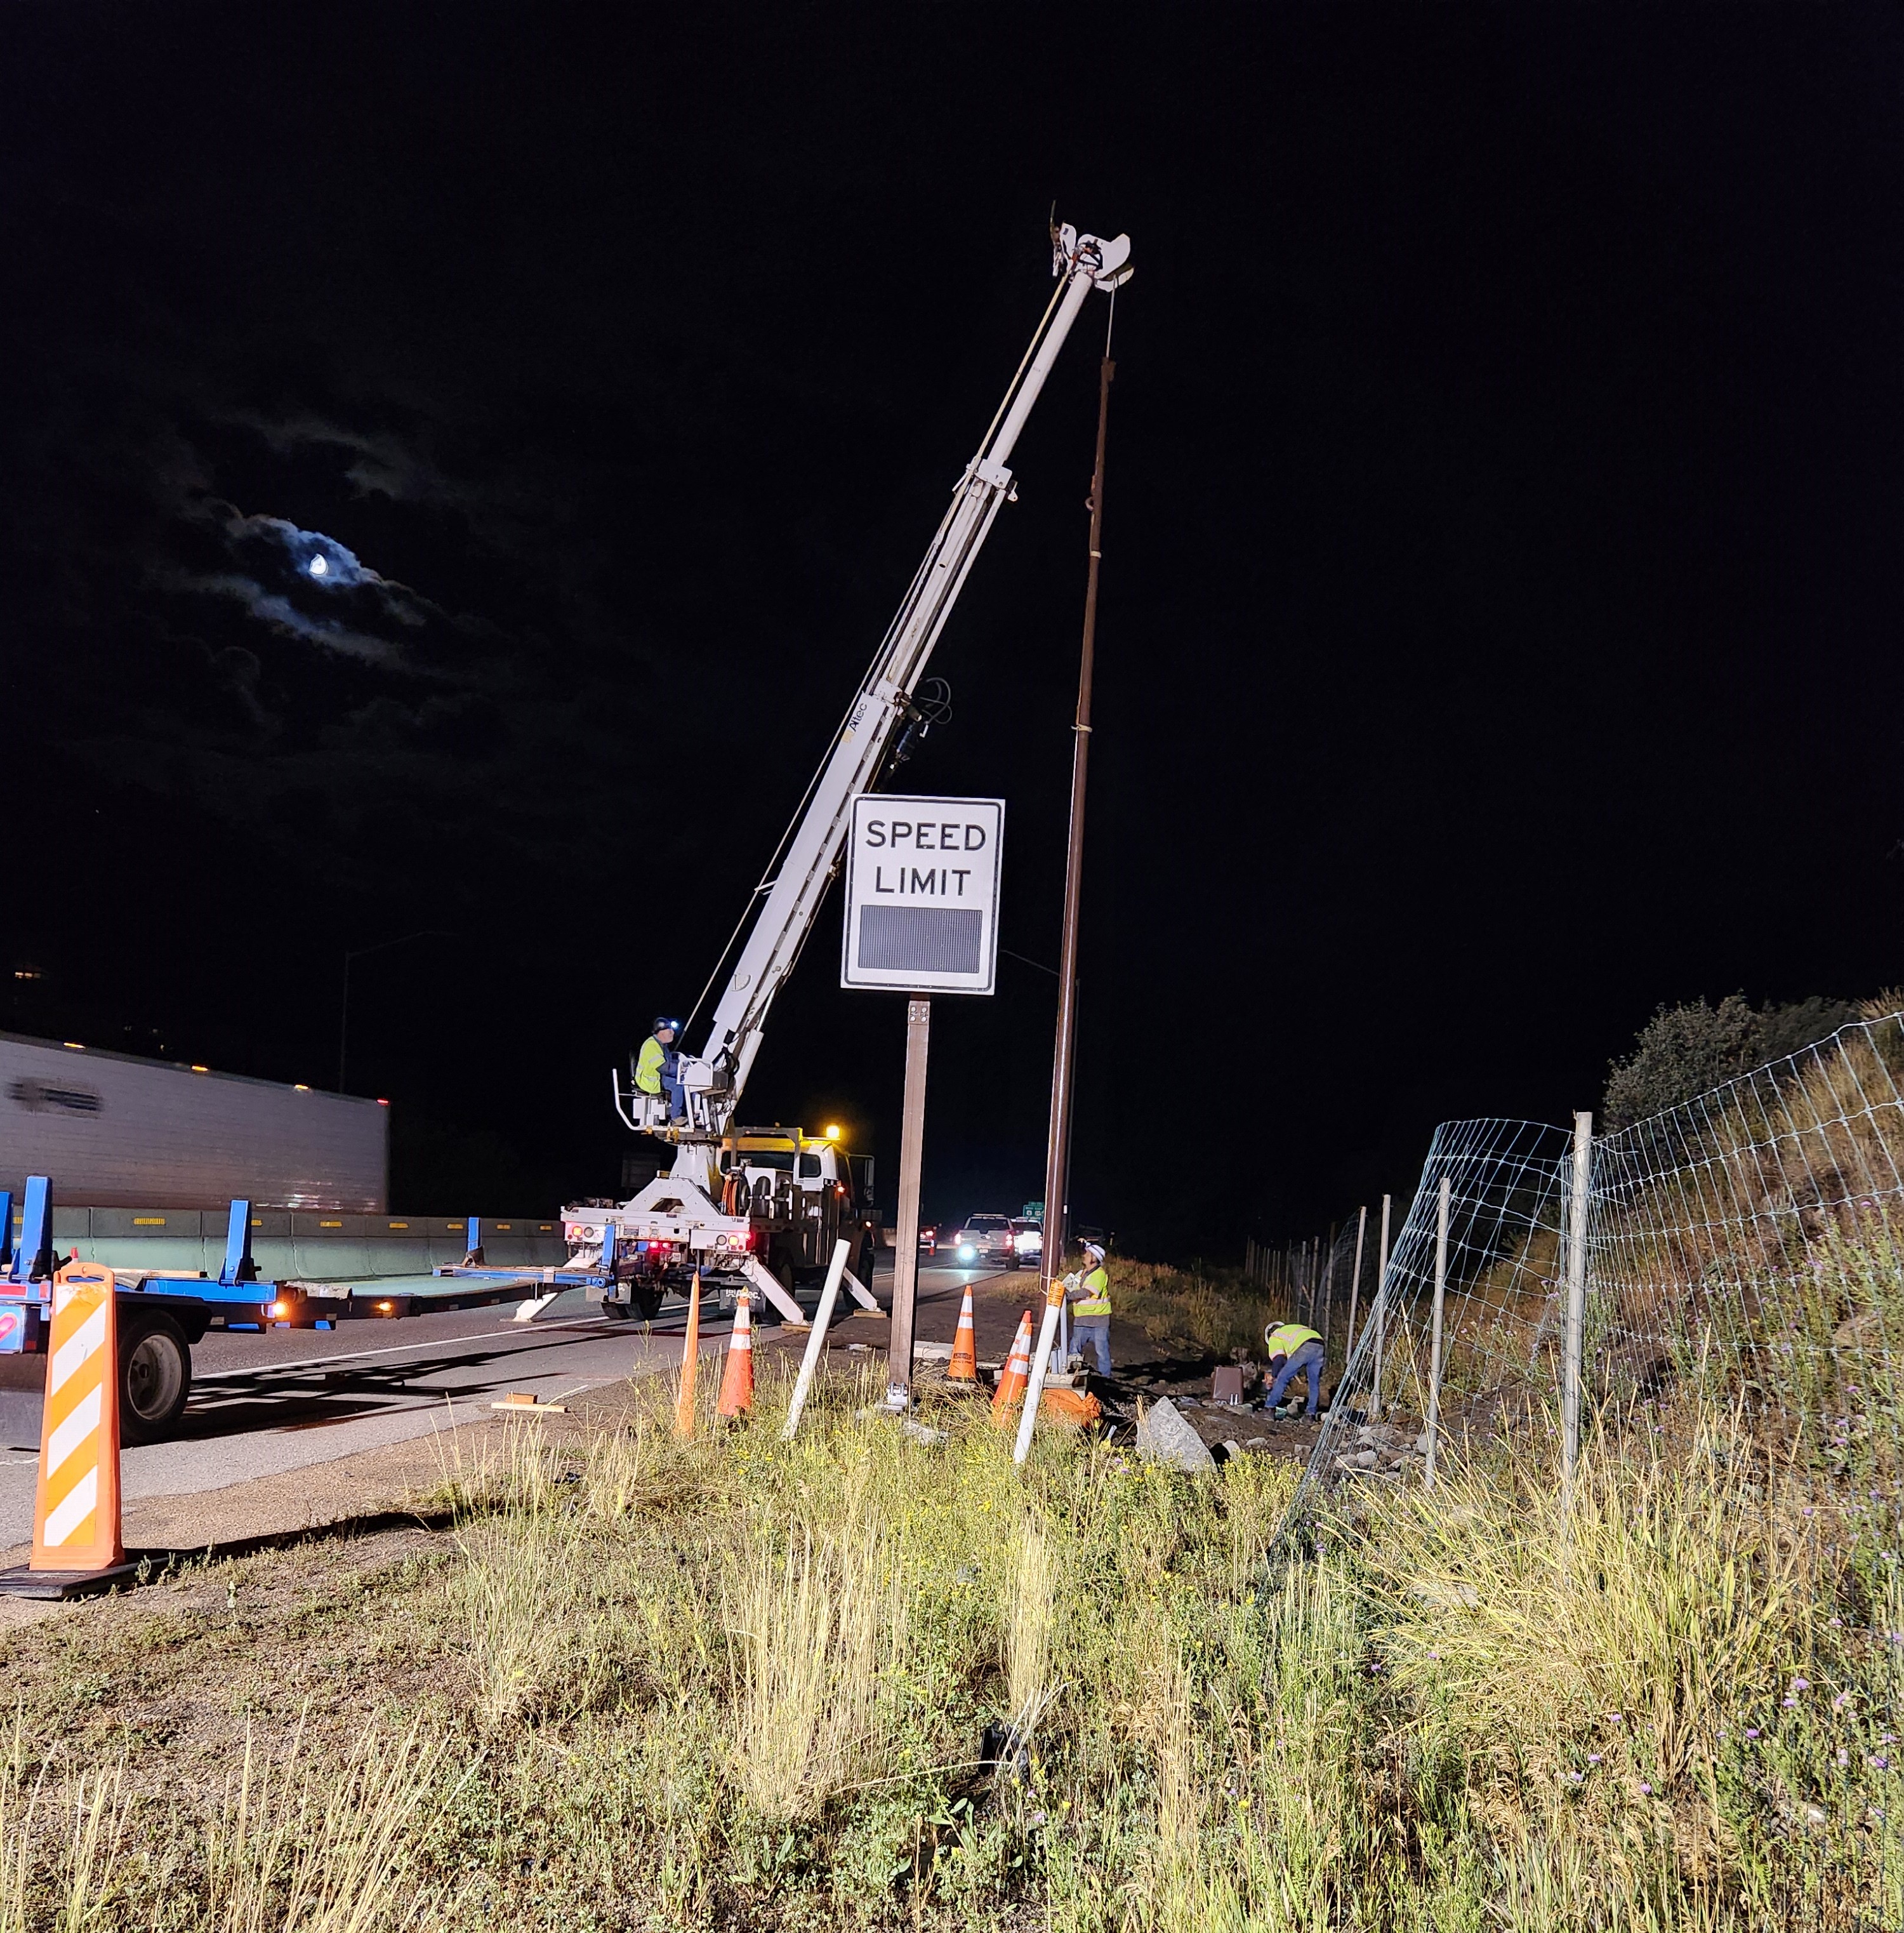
[1744,1250]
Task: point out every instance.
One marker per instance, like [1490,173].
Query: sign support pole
[905,1256]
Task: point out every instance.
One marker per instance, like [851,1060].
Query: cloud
[305,585]
[380,465]
[276,609]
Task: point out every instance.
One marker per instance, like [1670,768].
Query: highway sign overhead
[922,894]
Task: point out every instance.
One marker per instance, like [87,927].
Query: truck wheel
[155,1377]
[864,1264]
[648,1303]
[616,1312]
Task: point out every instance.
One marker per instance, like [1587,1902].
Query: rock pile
[1381,1447]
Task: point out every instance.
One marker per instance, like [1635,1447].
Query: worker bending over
[1293,1351]
[657,1067]
[1090,1293]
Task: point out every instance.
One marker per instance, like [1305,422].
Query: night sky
[1499,632]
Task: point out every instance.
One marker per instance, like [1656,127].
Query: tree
[1687,1051]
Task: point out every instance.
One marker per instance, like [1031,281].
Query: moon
[319,566]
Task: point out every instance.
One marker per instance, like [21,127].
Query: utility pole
[1057,1145]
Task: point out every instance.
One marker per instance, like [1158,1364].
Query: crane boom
[715,1076]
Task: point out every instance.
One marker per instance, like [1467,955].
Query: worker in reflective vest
[1091,1310]
[1293,1351]
[657,1066]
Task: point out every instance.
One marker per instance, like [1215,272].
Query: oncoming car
[985,1240]
[1027,1244]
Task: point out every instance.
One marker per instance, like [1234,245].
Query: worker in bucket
[657,1067]
[1091,1311]
[1293,1351]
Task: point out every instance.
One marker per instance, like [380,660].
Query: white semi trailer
[119,1132]
[766,1205]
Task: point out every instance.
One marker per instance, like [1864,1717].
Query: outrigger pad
[19,1582]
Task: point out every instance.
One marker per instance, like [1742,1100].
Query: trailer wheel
[155,1377]
[616,1312]
[647,1303]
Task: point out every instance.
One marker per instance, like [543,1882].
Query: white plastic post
[816,1341]
[1576,1324]
[1434,1343]
[1040,1362]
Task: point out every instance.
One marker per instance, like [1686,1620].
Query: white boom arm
[714,1077]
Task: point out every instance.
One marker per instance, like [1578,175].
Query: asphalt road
[294,1399]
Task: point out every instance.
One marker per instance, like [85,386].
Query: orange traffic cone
[737,1380]
[75,1513]
[690,1361]
[1016,1372]
[963,1367]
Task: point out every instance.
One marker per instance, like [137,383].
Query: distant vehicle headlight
[966,1251]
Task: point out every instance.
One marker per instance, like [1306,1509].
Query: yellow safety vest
[1290,1338]
[1098,1302]
[647,1065]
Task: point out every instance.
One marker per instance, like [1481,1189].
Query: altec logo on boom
[75,1513]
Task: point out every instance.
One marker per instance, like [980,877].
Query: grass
[735,1683]
[1214,1311]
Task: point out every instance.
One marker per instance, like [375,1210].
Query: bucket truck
[764,1206]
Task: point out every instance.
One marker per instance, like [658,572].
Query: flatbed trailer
[163,1312]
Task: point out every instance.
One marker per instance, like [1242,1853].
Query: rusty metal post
[905,1256]
[1058,1146]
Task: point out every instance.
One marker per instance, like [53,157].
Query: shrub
[1683,1051]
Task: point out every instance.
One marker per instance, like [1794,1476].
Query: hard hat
[1091,1248]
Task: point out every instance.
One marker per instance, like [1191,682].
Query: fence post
[1381,1315]
[1434,1344]
[1576,1324]
[1355,1282]
[1328,1287]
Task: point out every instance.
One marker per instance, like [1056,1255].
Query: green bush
[1684,1051]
